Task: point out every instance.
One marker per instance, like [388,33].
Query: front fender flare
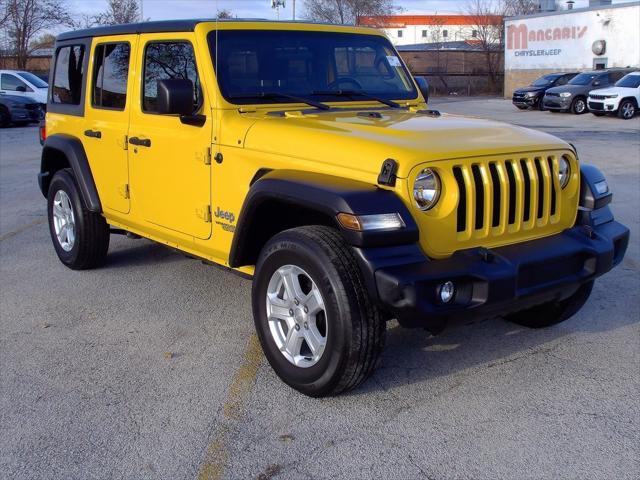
[327,195]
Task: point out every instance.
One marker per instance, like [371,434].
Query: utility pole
[294,10]
[142,10]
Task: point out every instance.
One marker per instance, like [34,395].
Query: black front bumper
[491,282]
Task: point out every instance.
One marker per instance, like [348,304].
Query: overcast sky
[168,9]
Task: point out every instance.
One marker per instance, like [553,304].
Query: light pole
[142,10]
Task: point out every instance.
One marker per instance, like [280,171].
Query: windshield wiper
[272,95]
[357,93]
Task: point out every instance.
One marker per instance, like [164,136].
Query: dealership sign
[523,40]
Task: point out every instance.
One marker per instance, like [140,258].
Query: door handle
[141,142]
[93,133]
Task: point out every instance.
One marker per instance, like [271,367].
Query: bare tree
[441,58]
[224,14]
[488,21]
[347,11]
[25,19]
[512,8]
[119,11]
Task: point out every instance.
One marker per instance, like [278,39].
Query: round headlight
[564,171]
[426,189]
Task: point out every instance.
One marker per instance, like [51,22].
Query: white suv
[623,97]
[23,84]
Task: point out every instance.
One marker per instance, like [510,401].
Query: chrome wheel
[628,110]
[64,220]
[581,106]
[297,316]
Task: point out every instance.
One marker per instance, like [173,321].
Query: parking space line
[217,453]
[18,231]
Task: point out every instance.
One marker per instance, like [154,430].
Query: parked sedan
[532,96]
[623,98]
[19,110]
[573,96]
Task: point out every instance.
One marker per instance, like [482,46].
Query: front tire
[317,326]
[626,110]
[80,237]
[579,106]
[553,312]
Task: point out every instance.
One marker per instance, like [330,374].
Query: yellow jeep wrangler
[305,156]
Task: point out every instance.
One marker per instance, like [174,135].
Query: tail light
[42,131]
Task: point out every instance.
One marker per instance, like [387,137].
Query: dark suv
[573,96]
[532,95]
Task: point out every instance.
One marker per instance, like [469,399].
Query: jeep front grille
[507,196]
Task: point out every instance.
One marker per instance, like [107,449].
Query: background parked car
[19,110]
[573,96]
[623,98]
[23,84]
[532,96]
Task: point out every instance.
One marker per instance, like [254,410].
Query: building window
[474,33]
[399,33]
[424,34]
[445,33]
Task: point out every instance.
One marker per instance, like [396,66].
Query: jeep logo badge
[230,217]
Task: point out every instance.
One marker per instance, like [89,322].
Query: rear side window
[69,75]
[110,74]
[11,83]
[168,60]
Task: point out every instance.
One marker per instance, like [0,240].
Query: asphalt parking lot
[149,369]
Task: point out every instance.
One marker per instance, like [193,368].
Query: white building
[596,37]
[415,29]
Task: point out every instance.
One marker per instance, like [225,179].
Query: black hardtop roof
[187,25]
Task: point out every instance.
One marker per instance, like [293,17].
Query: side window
[11,83]
[562,80]
[110,73]
[168,60]
[68,75]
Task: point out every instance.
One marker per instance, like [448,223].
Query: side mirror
[175,97]
[597,83]
[21,88]
[423,86]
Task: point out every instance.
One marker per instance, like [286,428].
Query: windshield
[583,79]
[34,80]
[630,81]
[252,63]
[544,81]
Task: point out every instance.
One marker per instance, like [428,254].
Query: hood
[352,139]
[571,89]
[622,91]
[529,89]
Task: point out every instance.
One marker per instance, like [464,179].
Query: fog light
[447,291]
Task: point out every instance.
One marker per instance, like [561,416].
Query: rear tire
[320,265]
[80,237]
[554,312]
